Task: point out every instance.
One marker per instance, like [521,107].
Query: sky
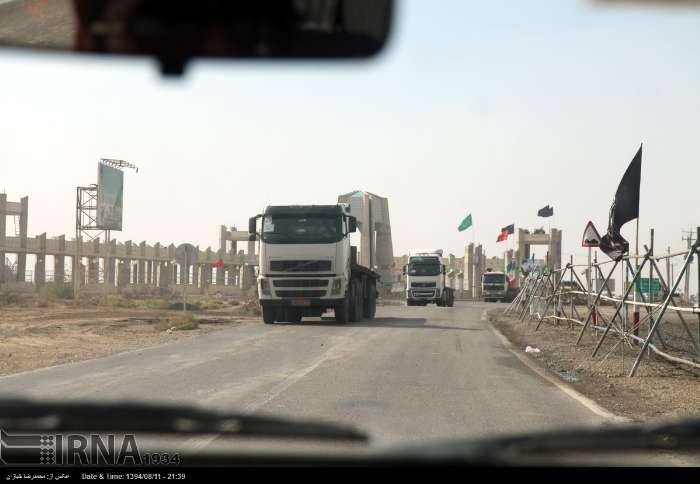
[492,108]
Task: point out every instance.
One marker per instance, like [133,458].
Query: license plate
[301,302]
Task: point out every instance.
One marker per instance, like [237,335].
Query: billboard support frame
[86,221]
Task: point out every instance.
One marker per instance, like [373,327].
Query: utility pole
[688,237]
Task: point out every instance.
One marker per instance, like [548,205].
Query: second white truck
[426,280]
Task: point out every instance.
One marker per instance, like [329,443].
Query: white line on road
[583,400]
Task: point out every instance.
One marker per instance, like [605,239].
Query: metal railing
[545,297]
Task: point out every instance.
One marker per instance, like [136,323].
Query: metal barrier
[547,299]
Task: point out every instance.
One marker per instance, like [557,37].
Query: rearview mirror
[352,225]
[253,228]
[177,31]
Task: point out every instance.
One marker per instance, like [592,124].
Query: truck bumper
[325,303]
[422,295]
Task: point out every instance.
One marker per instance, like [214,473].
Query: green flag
[466,223]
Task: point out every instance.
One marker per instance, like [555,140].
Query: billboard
[110,190]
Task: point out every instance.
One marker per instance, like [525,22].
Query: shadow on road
[389,322]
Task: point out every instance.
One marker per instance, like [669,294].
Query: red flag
[218,264]
[502,236]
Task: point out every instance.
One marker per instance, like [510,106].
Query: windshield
[494,278]
[302,229]
[423,269]
[312,238]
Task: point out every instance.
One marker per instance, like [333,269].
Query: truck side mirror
[352,225]
[252,228]
[404,269]
[444,270]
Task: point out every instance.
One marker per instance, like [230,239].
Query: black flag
[625,207]
[509,228]
[545,211]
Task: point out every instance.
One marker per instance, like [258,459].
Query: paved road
[413,373]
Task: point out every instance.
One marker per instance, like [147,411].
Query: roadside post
[185,255]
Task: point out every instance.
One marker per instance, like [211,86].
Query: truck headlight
[335,288]
[265,287]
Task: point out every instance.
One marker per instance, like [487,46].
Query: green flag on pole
[466,223]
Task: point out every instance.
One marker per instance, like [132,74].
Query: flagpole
[635,313]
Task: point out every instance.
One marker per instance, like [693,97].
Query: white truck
[426,279]
[494,286]
[308,266]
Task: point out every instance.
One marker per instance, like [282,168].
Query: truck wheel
[269,314]
[342,311]
[356,298]
[370,303]
[451,299]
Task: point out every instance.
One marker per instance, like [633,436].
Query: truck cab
[308,266]
[494,286]
[426,280]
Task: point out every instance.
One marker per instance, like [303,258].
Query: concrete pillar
[384,245]
[206,276]
[366,230]
[59,261]
[128,250]
[22,256]
[165,274]
[40,265]
[223,237]
[247,277]
[555,249]
[110,262]
[82,272]
[123,273]
[478,271]
[93,270]
[93,252]
[142,263]
[195,275]
[523,249]
[220,271]
[469,270]
[231,275]
[127,271]
[149,272]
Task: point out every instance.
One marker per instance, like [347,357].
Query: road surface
[413,373]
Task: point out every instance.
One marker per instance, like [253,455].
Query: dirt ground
[33,338]
[660,389]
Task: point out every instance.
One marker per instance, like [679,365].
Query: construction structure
[551,240]
[119,264]
[19,212]
[376,249]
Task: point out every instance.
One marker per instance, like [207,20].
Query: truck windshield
[300,229]
[423,269]
[494,278]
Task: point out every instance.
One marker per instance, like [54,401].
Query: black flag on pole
[545,211]
[625,207]
[509,228]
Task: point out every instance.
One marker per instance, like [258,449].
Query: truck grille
[422,284]
[306,293]
[494,287]
[423,293]
[300,283]
[300,265]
